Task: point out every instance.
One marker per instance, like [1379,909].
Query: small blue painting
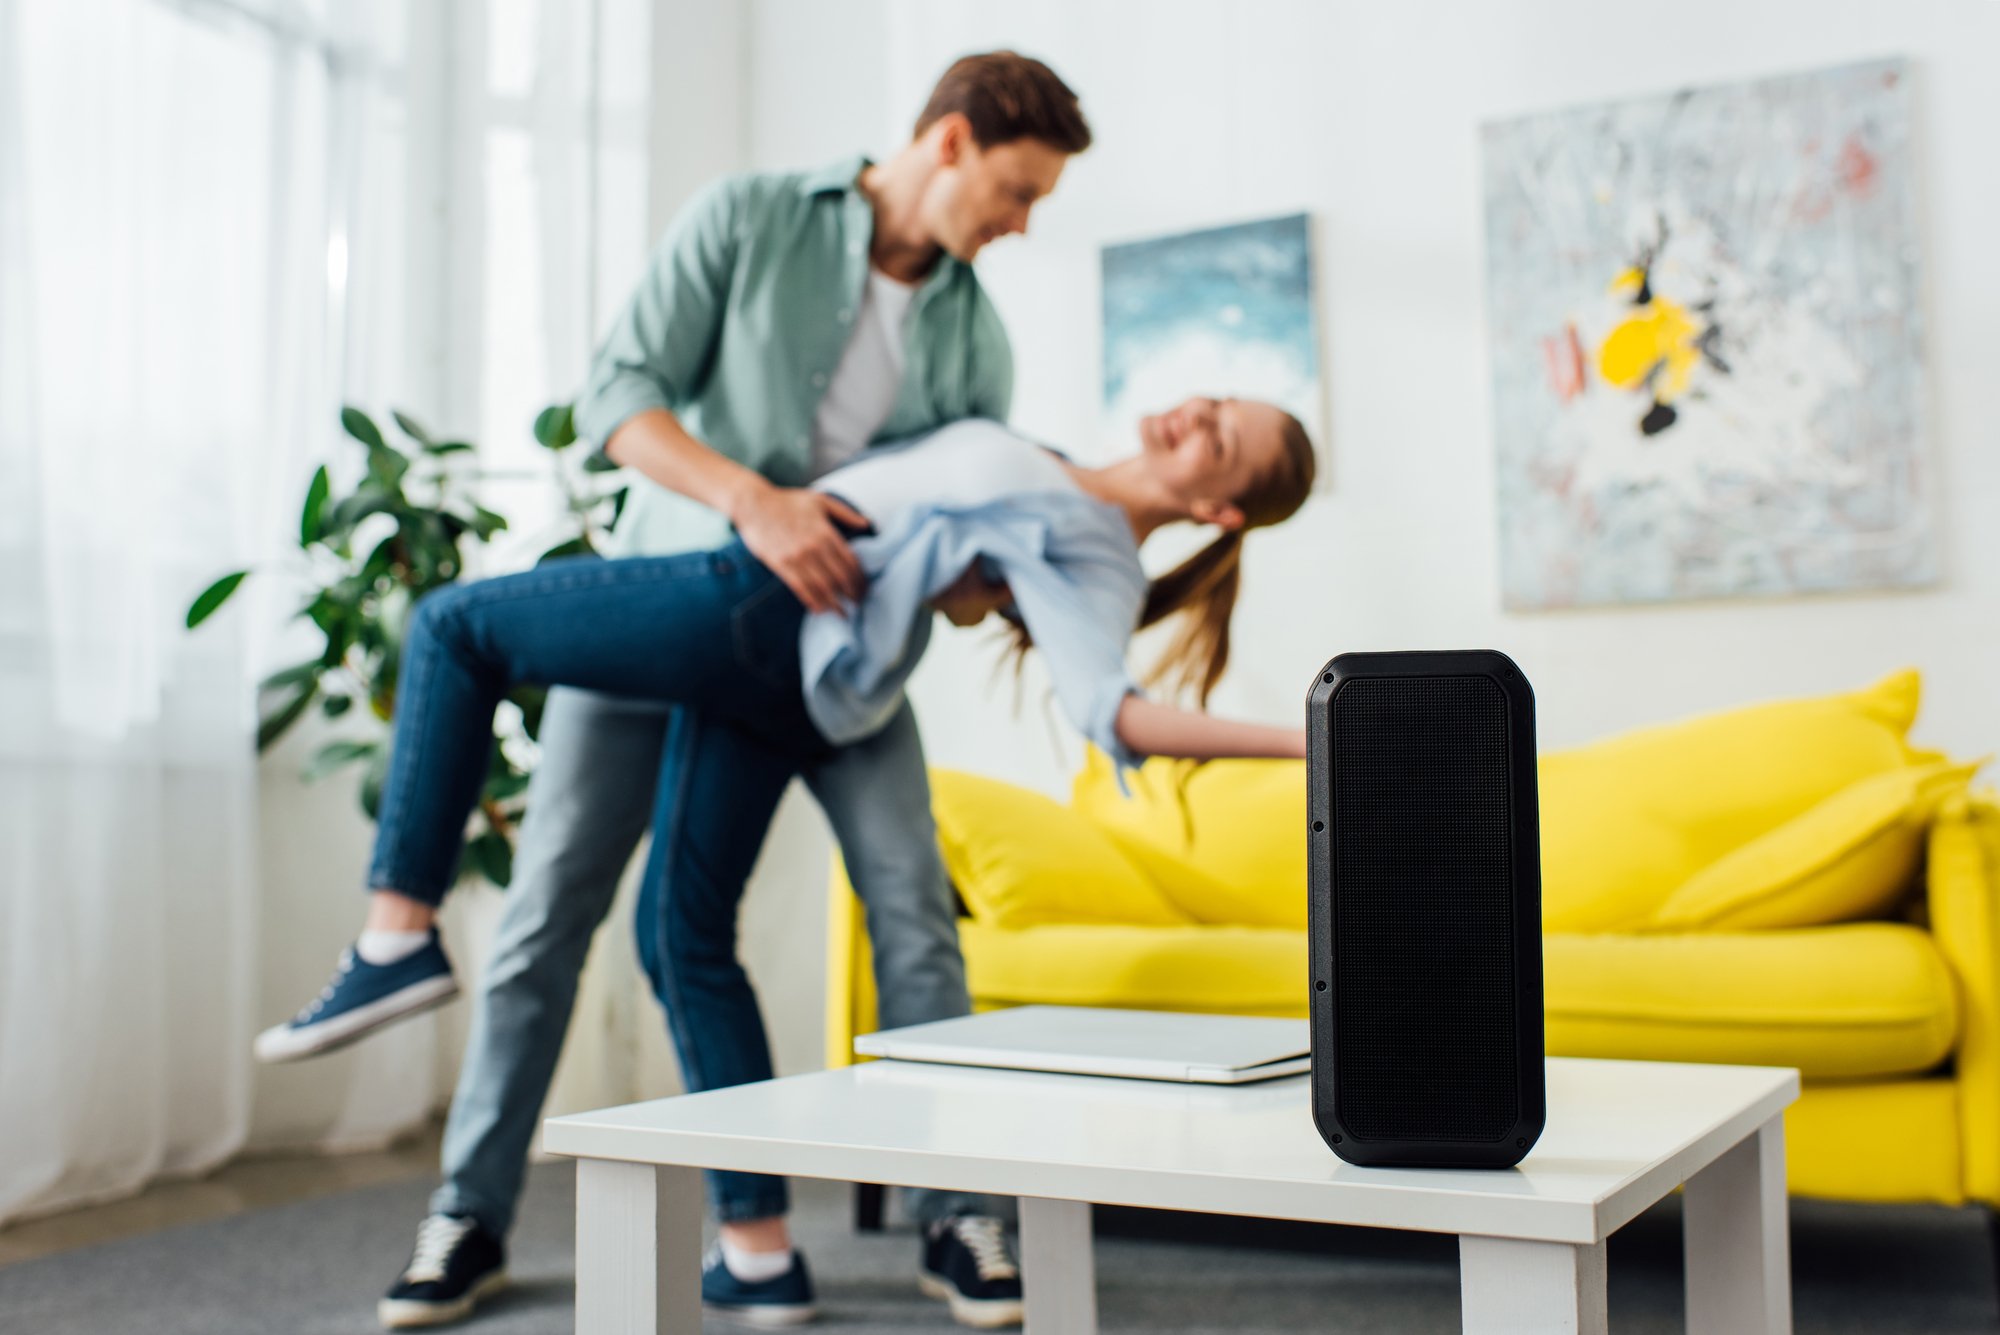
[1226,311]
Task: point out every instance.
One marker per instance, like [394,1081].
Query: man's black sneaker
[966,1263]
[784,1301]
[455,1265]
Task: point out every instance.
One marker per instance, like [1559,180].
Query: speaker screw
[1328,679]
[1319,986]
[1337,1140]
[1318,825]
[1521,1143]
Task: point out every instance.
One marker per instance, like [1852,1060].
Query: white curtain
[148,336]
[219,219]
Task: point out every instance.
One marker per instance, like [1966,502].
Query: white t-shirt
[863,389]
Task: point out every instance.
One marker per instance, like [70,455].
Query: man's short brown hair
[1005,97]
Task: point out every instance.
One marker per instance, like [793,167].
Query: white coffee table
[1621,1135]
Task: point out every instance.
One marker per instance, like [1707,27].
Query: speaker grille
[1423,910]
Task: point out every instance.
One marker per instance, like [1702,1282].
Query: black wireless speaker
[1425,910]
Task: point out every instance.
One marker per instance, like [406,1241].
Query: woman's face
[1209,452]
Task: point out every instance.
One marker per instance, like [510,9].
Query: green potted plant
[369,553]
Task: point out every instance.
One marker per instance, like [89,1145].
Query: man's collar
[837,176]
[842,176]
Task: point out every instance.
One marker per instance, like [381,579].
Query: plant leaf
[296,674]
[309,518]
[274,725]
[449,447]
[505,784]
[351,510]
[362,427]
[371,782]
[213,597]
[486,523]
[411,427]
[597,461]
[336,705]
[386,464]
[530,700]
[574,547]
[554,427]
[491,856]
[334,755]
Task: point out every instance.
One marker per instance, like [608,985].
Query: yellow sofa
[1789,884]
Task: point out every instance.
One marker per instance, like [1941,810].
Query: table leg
[1058,1271]
[638,1249]
[1737,1240]
[1510,1287]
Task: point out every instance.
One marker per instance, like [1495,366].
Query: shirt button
[819,380]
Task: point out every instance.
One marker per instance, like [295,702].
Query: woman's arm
[1154,729]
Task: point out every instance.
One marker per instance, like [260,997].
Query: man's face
[982,194]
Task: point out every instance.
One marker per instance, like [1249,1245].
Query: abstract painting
[1227,311]
[1705,333]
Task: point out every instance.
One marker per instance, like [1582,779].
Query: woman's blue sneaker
[361,998]
[784,1301]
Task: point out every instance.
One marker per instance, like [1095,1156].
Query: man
[787,321]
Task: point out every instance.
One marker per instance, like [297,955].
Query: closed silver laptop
[1076,1040]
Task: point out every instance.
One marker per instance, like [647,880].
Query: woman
[718,632]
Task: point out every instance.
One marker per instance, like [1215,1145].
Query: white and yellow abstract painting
[1705,342]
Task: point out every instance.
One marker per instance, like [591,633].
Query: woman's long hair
[1202,589]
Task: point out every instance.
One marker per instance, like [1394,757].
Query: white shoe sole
[405,1314]
[987,1314]
[768,1317]
[282,1043]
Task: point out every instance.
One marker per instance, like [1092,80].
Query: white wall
[1367,115]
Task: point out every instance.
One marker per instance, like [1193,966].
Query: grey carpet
[315,1268]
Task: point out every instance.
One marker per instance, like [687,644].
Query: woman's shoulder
[975,430]
[978,442]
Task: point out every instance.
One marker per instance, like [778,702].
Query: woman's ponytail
[1203,589]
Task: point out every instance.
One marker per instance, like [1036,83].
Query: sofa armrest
[1963,886]
[850,970]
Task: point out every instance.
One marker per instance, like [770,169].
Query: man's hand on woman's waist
[796,533]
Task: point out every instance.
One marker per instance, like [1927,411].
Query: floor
[244,1184]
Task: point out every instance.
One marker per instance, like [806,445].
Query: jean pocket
[764,632]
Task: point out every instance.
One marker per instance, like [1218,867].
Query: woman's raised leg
[712,630]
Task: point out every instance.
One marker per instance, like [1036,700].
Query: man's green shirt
[740,321]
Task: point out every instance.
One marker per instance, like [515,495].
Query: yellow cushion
[1861,999]
[1019,859]
[1627,820]
[1226,840]
[1219,970]
[1854,855]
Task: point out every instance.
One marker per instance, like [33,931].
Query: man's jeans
[604,761]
